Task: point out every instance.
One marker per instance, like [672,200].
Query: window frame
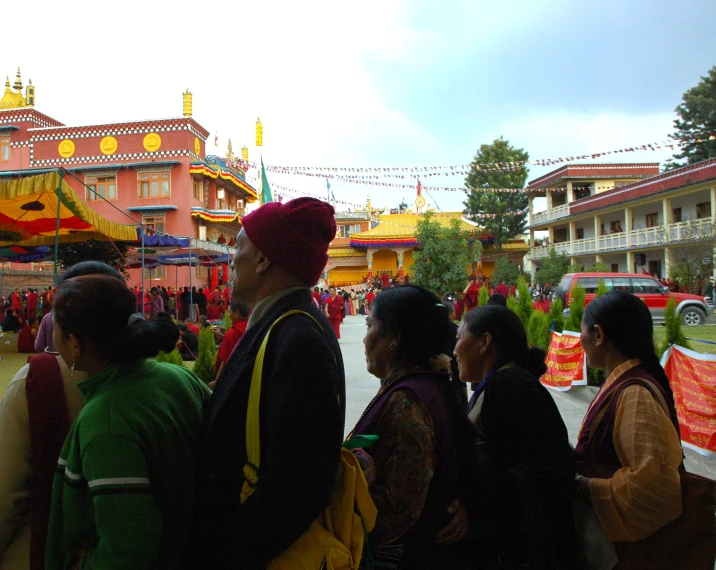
[652,219]
[150,221]
[93,178]
[146,177]
[5,148]
[197,183]
[703,210]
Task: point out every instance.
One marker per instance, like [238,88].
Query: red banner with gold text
[693,380]
[566,365]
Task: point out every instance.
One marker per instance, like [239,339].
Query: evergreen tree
[601,288]
[552,268]
[556,315]
[483,296]
[111,253]
[501,214]
[440,262]
[204,364]
[505,271]
[524,302]
[672,323]
[512,304]
[173,357]
[576,309]
[538,333]
[600,268]
[697,120]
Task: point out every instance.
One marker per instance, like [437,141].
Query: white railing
[682,232]
[549,215]
[587,245]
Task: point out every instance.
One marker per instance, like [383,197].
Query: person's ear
[262,263]
[75,346]
[599,336]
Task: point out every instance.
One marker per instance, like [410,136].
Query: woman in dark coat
[520,508]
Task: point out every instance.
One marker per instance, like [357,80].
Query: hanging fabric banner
[566,364]
[692,377]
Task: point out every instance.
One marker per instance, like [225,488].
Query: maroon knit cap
[294,235]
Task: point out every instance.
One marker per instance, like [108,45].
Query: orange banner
[692,377]
[566,365]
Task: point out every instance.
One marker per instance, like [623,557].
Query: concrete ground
[361,387]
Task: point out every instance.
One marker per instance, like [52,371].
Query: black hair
[418,318]
[509,337]
[497,299]
[242,308]
[89,268]
[626,321]
[115,334]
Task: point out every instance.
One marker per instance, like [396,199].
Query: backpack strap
[253,437]
[49,425]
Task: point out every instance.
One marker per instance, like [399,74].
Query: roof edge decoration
[215,171]
[377,242]
[215,216]
[607,170]
[685,176]
[150,208]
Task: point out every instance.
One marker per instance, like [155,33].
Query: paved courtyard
[361,387]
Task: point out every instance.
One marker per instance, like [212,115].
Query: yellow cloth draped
[31,203]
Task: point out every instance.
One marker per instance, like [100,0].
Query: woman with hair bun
[123,492]
[422,458]
[630,427]
[520,510]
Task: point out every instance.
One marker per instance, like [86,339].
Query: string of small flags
[437,170]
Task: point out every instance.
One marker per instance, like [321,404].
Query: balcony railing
[550,215]
[682,232]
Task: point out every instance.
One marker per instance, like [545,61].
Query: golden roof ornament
[18,82]
[13,98]
[230,151]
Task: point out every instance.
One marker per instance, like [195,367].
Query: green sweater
[123,493]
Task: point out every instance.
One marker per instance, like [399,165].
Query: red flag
[419,187]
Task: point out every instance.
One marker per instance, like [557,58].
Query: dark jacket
[523,506]
[301,426]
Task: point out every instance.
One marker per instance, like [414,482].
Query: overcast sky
[373,83]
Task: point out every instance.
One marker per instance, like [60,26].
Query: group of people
[153,468]
[183,303]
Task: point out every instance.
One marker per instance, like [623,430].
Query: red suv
[693,308]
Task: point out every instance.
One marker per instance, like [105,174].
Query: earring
[72,372]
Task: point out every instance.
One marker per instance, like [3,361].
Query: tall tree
[501,214]
[441,260]
[697,120]
[110,253]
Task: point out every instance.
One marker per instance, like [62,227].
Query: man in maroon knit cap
[280,253]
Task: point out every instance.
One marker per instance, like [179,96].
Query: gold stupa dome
[13,99]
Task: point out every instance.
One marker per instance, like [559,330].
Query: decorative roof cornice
[115,129]
[627,170]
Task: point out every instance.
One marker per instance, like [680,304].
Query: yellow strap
[253,441]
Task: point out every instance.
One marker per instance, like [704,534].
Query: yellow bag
[336,538]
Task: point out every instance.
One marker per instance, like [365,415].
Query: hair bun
[534,361]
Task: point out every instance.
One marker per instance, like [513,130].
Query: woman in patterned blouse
[420,459]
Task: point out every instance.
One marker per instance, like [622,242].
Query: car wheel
[692,316]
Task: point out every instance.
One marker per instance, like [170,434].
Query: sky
[390,83]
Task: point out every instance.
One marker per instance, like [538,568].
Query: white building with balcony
[627,216]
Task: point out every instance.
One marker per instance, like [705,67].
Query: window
[676,215]
[615,268]
[615,227]
[154,224]
[155,273]
[197,186]
[346,231]
[652,220]
[99,187]
[646,285]
[602,231]
[580,233]
[622,284]
[703,210]
[154,184]
[590,283]
[4,148]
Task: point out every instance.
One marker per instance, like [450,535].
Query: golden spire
[245,153]
[18,82]
[187,103]
[230,151]
[259,133]
[12,99]
[30,94]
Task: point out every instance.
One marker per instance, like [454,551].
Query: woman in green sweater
[124,488]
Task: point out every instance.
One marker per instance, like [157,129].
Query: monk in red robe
[335,309]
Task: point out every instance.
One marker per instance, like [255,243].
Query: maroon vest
[596,444]
[443,487]
[49,425]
